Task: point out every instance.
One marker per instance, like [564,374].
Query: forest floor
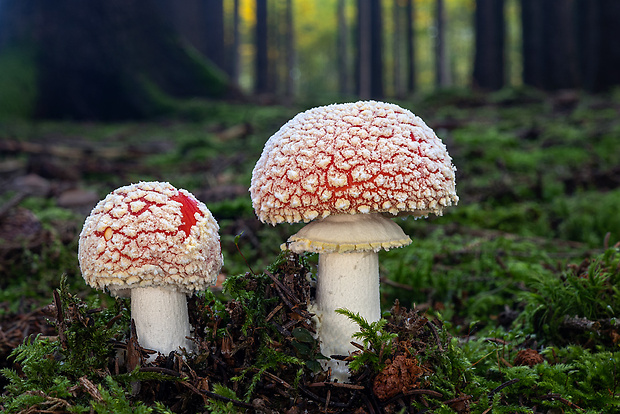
[507,303]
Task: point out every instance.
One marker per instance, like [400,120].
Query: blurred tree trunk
[559,66]
[369,49]
[411,52]
[343,49]
[376,50]
[598,52]
[489,53]
[397,17]
[108,59]
[261,85]
[188,17]
[200,23]
[213,23]
[289,46]
[364,44]
[234,69]
[533,39]
[571,44]
[442,64]
[610,51]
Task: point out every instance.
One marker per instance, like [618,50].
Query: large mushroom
[347,168]
[156,244]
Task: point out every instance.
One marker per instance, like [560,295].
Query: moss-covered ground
[507,303]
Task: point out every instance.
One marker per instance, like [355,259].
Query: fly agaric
[348,168]
[155,244]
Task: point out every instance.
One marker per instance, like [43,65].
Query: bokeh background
[128,59]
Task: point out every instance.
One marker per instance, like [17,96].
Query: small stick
[278,379]
[273,312]
[336,384]
[425,392]
[436,335]
[563,400]
[459,399]
[501,387]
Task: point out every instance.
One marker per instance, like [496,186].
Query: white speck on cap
[150,234]
[339,157]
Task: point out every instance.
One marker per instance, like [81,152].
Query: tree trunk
[343,40]
[598,55]
[442,65]
[397,14]
[289,86]
[235,61]
[376,50]
[559,51]
[533,40]
[411,69]
[108,59]
[261,39]
[193,20]
[369,50]
[551,47]
[610,53]
[489,53]
[364,43]
[214,36]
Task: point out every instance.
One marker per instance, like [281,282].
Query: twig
[392,283]
[285,294]
[336,384]
[322,400]
[459,399]
[501,387]
[273,312]
[496,340]
[241,254]
[558,397]
[160,370]
[425,392]
[436,335]
[278,379]
[60,318]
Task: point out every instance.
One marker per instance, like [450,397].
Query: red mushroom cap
[150,234]
[362,157]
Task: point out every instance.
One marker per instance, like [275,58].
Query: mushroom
[155,244]
[348,168]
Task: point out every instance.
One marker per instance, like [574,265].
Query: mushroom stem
[351,281]
[161,318]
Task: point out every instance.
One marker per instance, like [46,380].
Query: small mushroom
[155,244]
[348,168]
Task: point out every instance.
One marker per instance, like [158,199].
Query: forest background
[318,51]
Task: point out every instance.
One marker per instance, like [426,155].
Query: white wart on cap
[158,243]
[345,168]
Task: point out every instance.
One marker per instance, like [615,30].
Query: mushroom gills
[348,233]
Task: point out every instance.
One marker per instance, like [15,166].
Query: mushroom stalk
[348,275]
[161,319]
[351,281]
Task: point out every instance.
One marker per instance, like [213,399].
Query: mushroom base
[351,281]
[161,319]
